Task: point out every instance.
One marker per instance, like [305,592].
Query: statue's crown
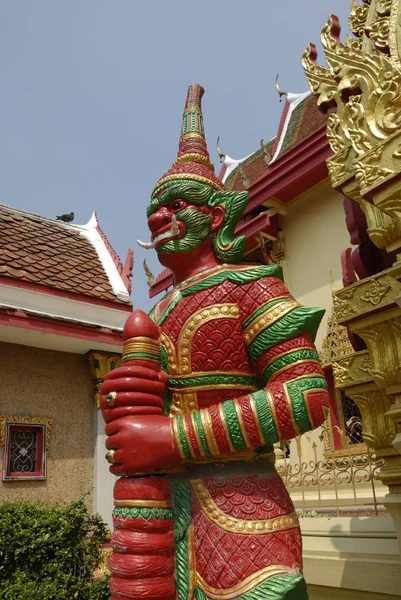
[193,162]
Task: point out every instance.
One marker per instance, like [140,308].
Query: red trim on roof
[294,172]
[43,289]
[75,330]
[163,281]
[284,114]
[127,270]
[222,171]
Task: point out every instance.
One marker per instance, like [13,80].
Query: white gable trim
[91,233]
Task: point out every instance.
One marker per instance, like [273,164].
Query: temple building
[64,296]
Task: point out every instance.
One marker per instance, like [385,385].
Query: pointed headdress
[193,162]
[192,178]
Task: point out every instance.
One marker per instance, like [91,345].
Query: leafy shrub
[50,552]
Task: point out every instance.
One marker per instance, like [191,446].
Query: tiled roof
[305,119]
[252,167]
[46,252]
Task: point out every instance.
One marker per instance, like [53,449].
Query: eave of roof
[294,172]
[65,258]
[31,328]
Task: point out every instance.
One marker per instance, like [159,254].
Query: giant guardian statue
[223,368]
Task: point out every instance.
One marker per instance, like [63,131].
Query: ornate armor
[242,374]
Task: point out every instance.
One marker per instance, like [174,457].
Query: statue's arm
[293,396]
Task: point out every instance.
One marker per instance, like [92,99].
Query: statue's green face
[180,217]
[194,228]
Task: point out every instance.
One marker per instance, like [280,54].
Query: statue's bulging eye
[177,205]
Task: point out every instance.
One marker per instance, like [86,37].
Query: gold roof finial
[149,274]
[219,152]
[279,90]
[267,155]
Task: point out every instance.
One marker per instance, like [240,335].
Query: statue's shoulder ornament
[237,274]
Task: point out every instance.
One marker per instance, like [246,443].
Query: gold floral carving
[360,298]
[28,420]
[383,7]
[379,33]
[353,369]
[383,340]
[357,19]
[383,230]
[234,525]
[343,308]
[100,364]
[340,165]
[375,291]
[378,430]
[362,82]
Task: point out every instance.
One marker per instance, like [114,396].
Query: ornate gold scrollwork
[100,364]
[363,83]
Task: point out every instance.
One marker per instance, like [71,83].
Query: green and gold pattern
[233,425]
[264,308]
[239,276]
[143,512]
[296,391]
[201,432]
[266,419]
[207,381]
[185,445]
[184,567]
[134,355]
[299,320]
[288,359]
[281,587]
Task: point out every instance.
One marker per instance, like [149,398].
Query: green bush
[50,552]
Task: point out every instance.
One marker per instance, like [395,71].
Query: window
[25,443]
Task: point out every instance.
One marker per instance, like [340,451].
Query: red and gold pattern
[249,504]
[241,373]
[224,555]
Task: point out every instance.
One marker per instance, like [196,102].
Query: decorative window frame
[43,429]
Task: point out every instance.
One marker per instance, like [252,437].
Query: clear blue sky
[93,92]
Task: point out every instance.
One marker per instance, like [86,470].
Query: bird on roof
[67,218]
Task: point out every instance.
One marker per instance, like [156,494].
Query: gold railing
[332,481]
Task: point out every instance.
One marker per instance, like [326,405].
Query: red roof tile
[305,120]
[50,253]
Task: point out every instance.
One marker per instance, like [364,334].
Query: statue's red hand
[132,390]
[142,445]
